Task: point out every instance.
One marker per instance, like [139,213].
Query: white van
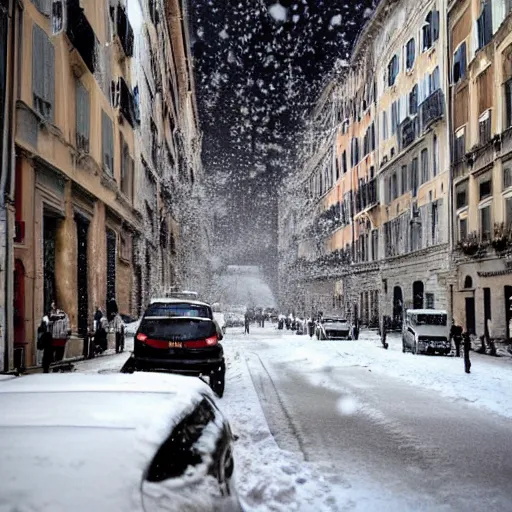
[426,331]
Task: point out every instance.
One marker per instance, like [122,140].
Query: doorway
[470,315]
[508,310]
[417,294]
[82,228]
[111,265]
[49,234]
[398,306]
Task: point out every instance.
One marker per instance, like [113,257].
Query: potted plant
[502,237]
[470,245]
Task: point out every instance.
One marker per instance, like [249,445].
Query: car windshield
[177,329]
[333,320]
[178,309]
[427,319]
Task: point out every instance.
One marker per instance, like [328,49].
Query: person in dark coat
[456,335]
[45,343]
[311,327]
[467,348]
[246,323]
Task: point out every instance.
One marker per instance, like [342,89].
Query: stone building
[107,151]
[378,188]
[480,64]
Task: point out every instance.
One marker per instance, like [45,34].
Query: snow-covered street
[347,425]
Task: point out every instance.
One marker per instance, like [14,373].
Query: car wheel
[217,380]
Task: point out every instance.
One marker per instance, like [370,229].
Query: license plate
[175,344]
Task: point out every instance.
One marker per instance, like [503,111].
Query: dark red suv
[179,336]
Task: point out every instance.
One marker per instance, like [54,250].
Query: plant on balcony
[502,237]
[470,245]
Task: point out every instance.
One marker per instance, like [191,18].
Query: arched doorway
[19,303]
[417,294]
[398,306]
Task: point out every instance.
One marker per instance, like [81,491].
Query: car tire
[218,379]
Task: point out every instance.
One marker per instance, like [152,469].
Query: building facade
[379,195]
[104,120]
[480,66]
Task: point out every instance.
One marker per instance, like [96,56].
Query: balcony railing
[408,131]
[367,195]
[432,109]
[81,34]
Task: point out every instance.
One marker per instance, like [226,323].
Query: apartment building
[107,152]
[480,67]
[380,186]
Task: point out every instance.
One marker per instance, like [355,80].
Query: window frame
[410,54]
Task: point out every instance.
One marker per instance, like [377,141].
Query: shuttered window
[461,195]
[485,90]
[107,143]
[414,176]
[43,73]
[83,117]
[485,223]
[461,108]
[403,180]
[424,166]
[127,166]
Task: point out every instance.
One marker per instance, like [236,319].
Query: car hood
[432,330]
[67,444]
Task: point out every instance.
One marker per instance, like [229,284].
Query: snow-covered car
[235,320]
[426,331]
[333,328]
[141,442]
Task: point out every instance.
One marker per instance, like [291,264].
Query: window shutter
[49,74]
[37,62]
[435,25]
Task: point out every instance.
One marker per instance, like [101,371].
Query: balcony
[408,131]
[81,34]
[124,31]
[432,109]
[366,196]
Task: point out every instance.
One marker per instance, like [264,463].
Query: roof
[83,442]
[428,311]
[173,300]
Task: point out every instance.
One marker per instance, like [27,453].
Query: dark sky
[260,64]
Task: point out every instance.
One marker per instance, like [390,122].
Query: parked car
[235,320]
[333,328]
[426,331]
[114,442]
[179,336]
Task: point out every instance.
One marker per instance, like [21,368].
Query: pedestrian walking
[383,333]
[117,326]
[45,343]
[467,348]
[60,330]
[98,315]
[456,335]
[246,323]
[311,327]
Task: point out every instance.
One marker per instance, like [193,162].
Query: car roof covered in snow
[174,300]
[427,311]
[83,442]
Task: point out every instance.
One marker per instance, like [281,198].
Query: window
[393,69]
[484,25]
[394,117]
[434,221]
[429,299]
[127,165]
[385,125]
[375,245]
[460,146]
[507,174]
[153,12]
[125,248]
[461,195]
[154,143]
[107,143]
[485,223]
[463,229]
[344,161]
[459,63]
[394,186]
[404,179]
[468,282]
[435,156]
[354,157]
[430,30]
[485,187]
[413,101]
[424,166]
[43,73]
[410,53]
[508,102]
[434,80]
[508,211]
[82,117]
[414,176]
[484,128]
